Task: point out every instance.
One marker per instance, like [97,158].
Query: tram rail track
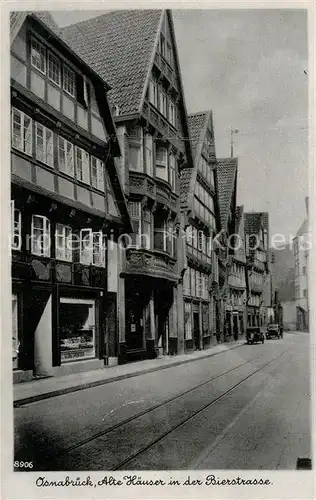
[120,425]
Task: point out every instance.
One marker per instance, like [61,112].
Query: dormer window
[53,68]
[38,59]
[69,81]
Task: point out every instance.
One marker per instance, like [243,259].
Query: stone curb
[59,392]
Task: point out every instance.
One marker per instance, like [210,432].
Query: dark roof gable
[119,46]
[254,221]
[226,175]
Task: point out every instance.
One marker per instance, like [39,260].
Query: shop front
[148,329]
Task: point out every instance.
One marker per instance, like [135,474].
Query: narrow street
[247,408]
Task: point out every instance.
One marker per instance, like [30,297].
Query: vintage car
[273,331]
[254,334]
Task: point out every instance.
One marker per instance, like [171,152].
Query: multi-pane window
[146,236]
[135,140]
[16,228]
[53,68]
[69,84]
[40,242]
[92,248]
[173,169]
[38,57]
[162,163]
[98,249]
[163,103]
[82,165]
[149,154]
[170,238]
[153,93]
[97,173]
[172,113]
[44,144]
[21,131]
[135,214]
[63,242]
[65,156]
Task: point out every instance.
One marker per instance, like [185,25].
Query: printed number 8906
[27,465]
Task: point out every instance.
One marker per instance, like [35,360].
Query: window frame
[43,47]
[46,230]
[45,144]
[67,171]
[16,227]
[71,72]
[23,141]
[60,65]
[65,253]
[85,165]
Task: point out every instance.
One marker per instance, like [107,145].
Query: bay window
[82,165]
[53,68]
[160,242]
[146,237]
[21,131]
[97,173]
[69,83]
[162,163]
[63,242]
[65,156]
[44,144]
[170,239]
[38,57]
[149,154]
[135,139]
[40,241]
[16,229]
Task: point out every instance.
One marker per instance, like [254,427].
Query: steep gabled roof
[17,19]
[119,46]
[197,124]
[226,174]
[197,128]
[254,221]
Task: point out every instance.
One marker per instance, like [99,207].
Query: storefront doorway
[77,325]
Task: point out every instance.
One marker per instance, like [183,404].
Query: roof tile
[226,174]
[118,45]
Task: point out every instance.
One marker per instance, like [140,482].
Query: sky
[248,67]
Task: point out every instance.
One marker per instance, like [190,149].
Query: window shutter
[86,245]
[100,175]
[70,158]
[86,167]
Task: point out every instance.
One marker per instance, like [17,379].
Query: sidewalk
[36,390]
